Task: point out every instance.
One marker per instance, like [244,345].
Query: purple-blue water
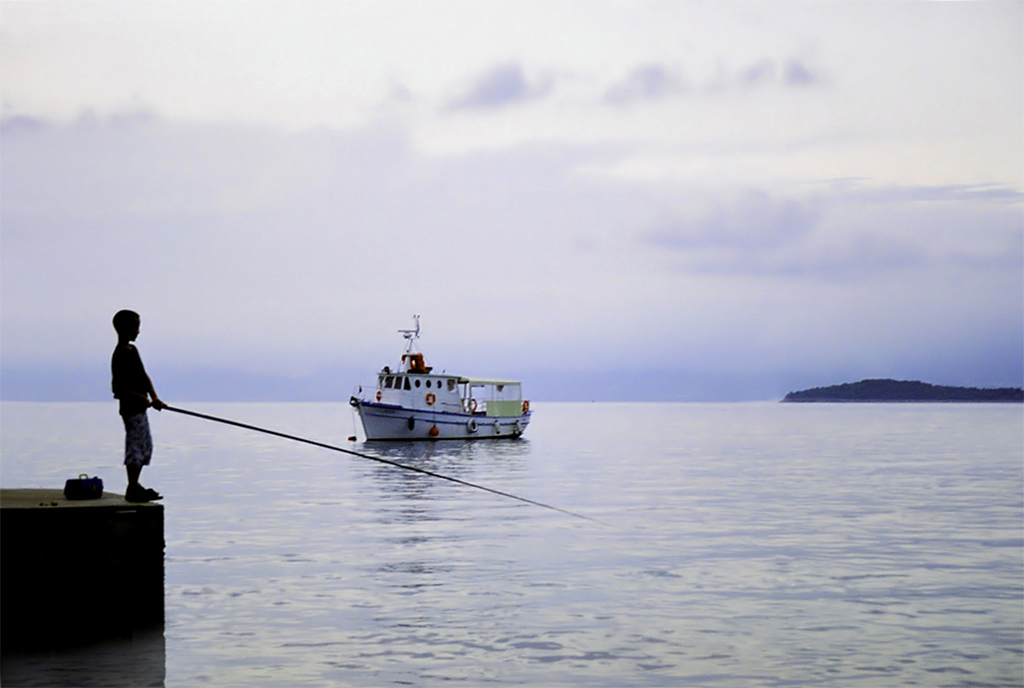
[742,544]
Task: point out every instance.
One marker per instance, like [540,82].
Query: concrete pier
[77,573]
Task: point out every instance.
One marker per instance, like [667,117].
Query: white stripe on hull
[386,422]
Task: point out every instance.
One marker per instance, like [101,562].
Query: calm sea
[756,544]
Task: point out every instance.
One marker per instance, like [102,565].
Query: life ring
[378,395]
[472,405]
[471,425]
[526,406]
[431,399]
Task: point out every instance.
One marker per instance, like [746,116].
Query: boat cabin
[450,393]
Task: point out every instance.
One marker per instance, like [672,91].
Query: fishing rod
[378,459]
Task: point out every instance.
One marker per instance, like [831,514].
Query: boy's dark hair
[125,320]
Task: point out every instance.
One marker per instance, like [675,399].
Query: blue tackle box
[83,487]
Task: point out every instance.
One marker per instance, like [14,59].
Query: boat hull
[391,422]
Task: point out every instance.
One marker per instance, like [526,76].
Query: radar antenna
[411,335]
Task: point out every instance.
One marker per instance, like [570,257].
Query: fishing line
[378,459]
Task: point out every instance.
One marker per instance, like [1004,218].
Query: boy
[133,388]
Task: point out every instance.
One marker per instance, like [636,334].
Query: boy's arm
[155,403]
[128,393]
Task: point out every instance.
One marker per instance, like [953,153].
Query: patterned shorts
[138,443]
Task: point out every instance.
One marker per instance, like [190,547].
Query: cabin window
[398,382]
[451,385]
[417,384]
[407,384]
[428,384]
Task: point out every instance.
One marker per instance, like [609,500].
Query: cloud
[21,122]
[309,246]
[647,82]
[657,82]
[755,221]
[951,193]
[284,256]
[674,205]
[766,73]
[849,232]
[855,259]
[758,74]
[501,86]
[797,74]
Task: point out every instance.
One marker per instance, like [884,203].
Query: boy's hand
[158,405]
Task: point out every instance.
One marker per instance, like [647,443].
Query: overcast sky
[665,200]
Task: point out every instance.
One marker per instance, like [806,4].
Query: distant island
[904,390]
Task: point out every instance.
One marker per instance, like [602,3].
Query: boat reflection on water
[465,460]
[453,453]
[430,528]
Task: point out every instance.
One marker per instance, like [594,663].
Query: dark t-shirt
[128,375]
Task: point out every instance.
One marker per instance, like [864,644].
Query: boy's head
[127,324]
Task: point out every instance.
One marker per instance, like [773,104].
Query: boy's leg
[135,491]
[133,475]
[138,447]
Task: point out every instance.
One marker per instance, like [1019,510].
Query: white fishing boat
[414,403]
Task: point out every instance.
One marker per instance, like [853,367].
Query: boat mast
[410,337]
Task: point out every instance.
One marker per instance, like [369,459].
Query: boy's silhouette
[133,388]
